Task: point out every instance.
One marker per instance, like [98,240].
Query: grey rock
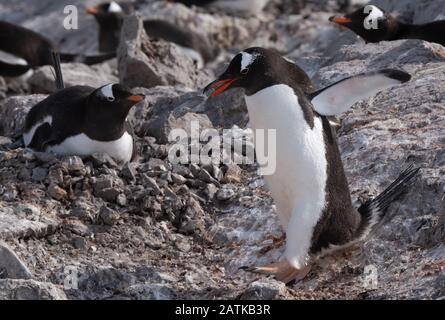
[10,265]
[161,127]
[129,171]
[108,216]
[39,174]
[267,289]
[151,292]
[14,110]
[225,194]
[151,185]
[147,63]
[56,192]
[100,159]
[14,289]
[178,179]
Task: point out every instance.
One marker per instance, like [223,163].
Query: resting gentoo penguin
[309,185]
[82,120]
[110,17]
[22,49]
[389,28]
[251,7]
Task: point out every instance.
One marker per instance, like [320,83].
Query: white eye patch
[107,92]
[246,60]
[375,13]
[114,7]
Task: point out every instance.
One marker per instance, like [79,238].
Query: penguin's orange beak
[340,20]
[219,86]
[136,98]
[91,10]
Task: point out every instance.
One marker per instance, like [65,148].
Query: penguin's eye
[111,99]
[245,71]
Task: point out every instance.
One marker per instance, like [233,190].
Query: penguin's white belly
[81,145]
[298,184]
[245,6]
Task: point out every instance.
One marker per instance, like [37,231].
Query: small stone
[5,141]
[99,159]
[210,191]
[178,179]
[108,216]
[225,194]
[121,200]
[45,157]
[129,171]
[232,173]
[151,185]
[74,165]
[39,174]
[57,192]
[79,243]
[267,289]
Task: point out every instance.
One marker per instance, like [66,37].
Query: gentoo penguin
[250,7]
[82,120]
[309,185]
[388,28]
[110,17]
[22,49]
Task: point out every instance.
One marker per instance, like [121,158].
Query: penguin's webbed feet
[282,271]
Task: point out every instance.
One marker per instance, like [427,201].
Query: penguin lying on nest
[22,49]
[388,28]
[82,120]
[110,16]
[309,185]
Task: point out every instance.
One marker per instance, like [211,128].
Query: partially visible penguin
[22,50]
[388,28]
[250,7]
[110,18]
[309,185]
[82,120]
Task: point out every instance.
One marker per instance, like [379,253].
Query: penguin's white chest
[301,166]
[81,145]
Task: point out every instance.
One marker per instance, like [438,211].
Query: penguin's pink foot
[283,271]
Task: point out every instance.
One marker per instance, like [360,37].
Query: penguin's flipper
[13,70]
[41,138]
[342,95]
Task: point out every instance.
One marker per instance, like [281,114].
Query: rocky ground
[73,228]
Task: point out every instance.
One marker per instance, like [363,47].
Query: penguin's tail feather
[58,70]
[88,60]
[13,70]
[374,210]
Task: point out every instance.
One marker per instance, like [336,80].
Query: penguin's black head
[112,100]
[109,14]
[252,69]
[369,22]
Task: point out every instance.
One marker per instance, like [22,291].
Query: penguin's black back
[339,221]
[26,44]
[67,109]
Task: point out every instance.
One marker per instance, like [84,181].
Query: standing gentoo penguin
[22,49]
[251,7]
[82,120]
[389,28]
[309,185]
[110,17]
